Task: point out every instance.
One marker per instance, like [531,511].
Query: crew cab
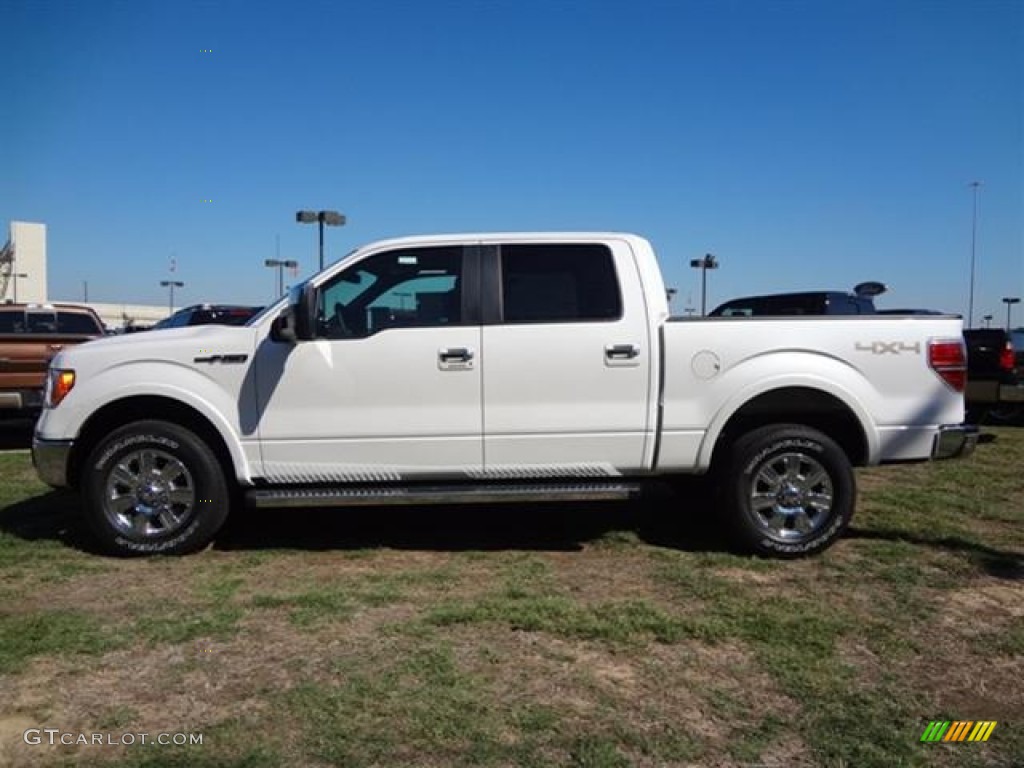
[30,335]
[496,368]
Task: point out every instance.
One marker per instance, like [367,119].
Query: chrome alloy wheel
[791,496]
[149,493]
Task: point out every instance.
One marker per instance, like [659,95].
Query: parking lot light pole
[281,264]
[1009,301]
[974,237]
[708,262]
[172,284]
[330,218]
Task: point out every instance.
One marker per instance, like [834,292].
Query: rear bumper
[955,441]
[1011,393]
[50,458]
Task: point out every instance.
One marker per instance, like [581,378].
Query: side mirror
[283,327]
[298,320]
[303,304]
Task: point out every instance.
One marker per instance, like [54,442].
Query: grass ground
[605,636]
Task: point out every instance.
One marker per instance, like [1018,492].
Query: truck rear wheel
[788,491]
[152,487]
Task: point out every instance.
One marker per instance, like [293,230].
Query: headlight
[58,383]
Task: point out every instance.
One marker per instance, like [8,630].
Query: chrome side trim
[50,458]
[311,473]
[543,471]
[439,494]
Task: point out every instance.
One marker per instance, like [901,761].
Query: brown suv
[30,335]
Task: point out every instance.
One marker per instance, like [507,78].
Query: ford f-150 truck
[489,368]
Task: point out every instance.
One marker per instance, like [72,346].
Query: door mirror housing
[298,320]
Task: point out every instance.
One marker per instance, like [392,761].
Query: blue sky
[806,144]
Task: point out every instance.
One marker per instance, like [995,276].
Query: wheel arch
[125,410]
[802,405]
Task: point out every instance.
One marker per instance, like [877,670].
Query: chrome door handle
[621,351]
[455,355]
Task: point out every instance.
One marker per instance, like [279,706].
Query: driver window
[407,288]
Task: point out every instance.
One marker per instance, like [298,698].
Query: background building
[23,263]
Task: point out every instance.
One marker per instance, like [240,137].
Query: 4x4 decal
[888,347]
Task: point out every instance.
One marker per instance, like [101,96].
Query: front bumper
[955,441]
[21,400]
[51,458]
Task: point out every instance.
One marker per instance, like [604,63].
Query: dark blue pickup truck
[995,374]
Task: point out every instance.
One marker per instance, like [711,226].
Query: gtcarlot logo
[55,736]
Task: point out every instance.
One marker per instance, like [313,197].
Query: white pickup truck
[497,367]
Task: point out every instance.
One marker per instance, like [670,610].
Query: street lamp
[974,236]
[987,319]
[330,218]
[172,284]
[708,262]
[1009,301]
[281,264]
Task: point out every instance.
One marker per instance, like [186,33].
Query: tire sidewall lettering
[805,546]
[801,444]
[129,442]
[154,547]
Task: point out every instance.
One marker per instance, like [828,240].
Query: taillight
[1006,361]
[948,359]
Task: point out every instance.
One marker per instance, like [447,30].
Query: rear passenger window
[73,322]
[41,322]
[559,283]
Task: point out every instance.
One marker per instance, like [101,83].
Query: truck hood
[176,345]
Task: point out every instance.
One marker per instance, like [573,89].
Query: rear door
[567,360]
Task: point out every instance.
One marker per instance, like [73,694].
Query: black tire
[787,490]
[1006,413]
[152,487]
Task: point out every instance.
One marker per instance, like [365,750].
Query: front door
[391,387]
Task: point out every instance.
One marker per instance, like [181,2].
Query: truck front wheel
[152,487]
[788,491]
